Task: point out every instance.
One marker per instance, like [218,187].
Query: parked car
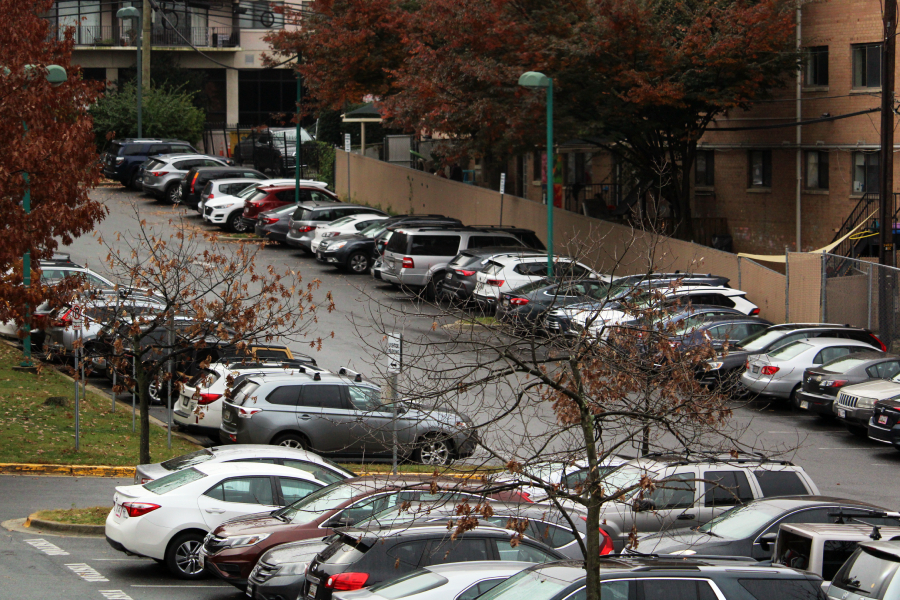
[716,330]
[226,210]
[218,188]
[417,257]
[316,212]
[273,197]
[271,149]
[822,384]
[342,415]
[274,224]
[510,270]
[161,175]
[168,518]
[339,505]
[196,178]
[280,571]
[199,405]
[122,159]
[458,581]
[780,373]
[752,528]
[855,404]
[321,468]
[884,426]
[690,493]
[660,578]
[869,574]
[349,224]
[359,558]
[253,183]
[732,365]
[460,280]
[824,548]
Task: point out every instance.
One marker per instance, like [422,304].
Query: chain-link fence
[861,293]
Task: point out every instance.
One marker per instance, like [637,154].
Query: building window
[816,71]
[866,65]
[816,170]
[760,168]
[704,169]
[82,16]
[866,173]
[537,160]
[260,15]
[266,96]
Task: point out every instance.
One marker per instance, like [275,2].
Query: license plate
[249,590]
[842,413]
[185,400]
[321,256]
[882,420]
[117,511]
[754,370]
[313,588]
[804,404]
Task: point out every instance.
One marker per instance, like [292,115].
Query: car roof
[251,468]
[796,326]
[440,230]
[829,341]
[717,319]
[317,376]
[839,530]
[479,567]
[178,155]
[412,529]
[313,204]
[660,566]
[511,257]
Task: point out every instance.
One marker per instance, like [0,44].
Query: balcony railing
[97,36]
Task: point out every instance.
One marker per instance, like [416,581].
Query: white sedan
[348,224]
[167,519]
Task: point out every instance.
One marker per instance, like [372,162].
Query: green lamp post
[533,79]
[130,12]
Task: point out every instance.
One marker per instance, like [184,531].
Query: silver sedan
[780,373]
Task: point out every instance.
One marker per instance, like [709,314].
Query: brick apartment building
[229,32]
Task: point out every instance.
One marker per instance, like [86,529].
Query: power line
[795,123]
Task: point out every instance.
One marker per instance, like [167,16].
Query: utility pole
[147,35]
[886,209]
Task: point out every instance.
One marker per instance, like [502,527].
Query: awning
[367,113]
[780,258]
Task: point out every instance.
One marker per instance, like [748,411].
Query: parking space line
[86,572]
[205,587]
[845,448]
[46,547]
[115,595]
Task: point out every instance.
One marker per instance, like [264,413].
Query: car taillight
[880,343]
[193,181]
[769,370]
[835,383]
[331,234]
[494,282]
[306,229]
[246,413]
[270,220]
[525,496]
[518,301]
[347,581]
[211,196]
[408,263]
[464,272]
[136,509]
[208,398]
[144,480]
[159,173]
[754,312]
[606,546]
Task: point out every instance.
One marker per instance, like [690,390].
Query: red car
[230,552]
[276,196]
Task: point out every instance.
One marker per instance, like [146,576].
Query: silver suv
[319,211]
[417,257]
[340,414]
[162,174]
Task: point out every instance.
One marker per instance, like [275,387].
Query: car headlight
[864,402]
[337,246]
[295,568]
[239,541]
[715,365]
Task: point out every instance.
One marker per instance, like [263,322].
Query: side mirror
[767,540]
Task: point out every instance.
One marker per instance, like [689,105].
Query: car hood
[678,540]
[255,523]
[878,389]
[355,237]
[294,552]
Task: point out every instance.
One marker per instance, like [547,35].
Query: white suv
[508,271]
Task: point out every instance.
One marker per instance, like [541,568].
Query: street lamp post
[534,79]
[297,141]
[130,12]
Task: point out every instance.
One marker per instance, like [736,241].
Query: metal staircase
[867,209]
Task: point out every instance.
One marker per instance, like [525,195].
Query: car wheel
[235,223]
[433,451]
[183,556]
[795,399]
[433,288]
[154,390]
[133,182]
[292,440]
[173,194]
[358,263]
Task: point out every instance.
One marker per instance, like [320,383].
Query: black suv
[355,252]
[363,557]
[196,179]
[123,158]
[661,578]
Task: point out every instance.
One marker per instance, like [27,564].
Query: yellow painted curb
[69,470]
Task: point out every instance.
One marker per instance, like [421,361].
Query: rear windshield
[115,149]
[257,194]
[398,243]
[867,573]
[790,351]
[243,393]
[153,164]
[433,245]
[373,230]
[204,377]
[842,365]
[343,552]
[302,214]
[416,582]
[173,481]
[207,189]
[759,341]
[533,585]
[492,268]
[187,460]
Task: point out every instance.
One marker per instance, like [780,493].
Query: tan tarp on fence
[608,247]
[804,272]
[847,300]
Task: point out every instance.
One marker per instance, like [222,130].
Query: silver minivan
[417,257]
[162,175]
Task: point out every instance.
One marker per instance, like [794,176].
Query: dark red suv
[276,196]
[230,552]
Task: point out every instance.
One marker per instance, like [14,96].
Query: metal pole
[140,75]
[869,318]
[799,133]
[171,338]
[550,183]
[26,277]
[787,285]
[77,404]
[297,143]
[823,300]
[393,391]
[502,190]
[886,212]
[349,197]
[115,394]
[133,372]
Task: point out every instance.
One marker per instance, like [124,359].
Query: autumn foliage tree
[46,147]
[647,76]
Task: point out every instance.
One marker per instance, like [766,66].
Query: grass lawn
[34,433]
[95,515]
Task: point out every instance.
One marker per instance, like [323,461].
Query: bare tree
[206,294]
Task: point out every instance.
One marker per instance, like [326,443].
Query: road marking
[115,595]
[46,547]
[844,448]
[194,587]
[86,572]
[128,559]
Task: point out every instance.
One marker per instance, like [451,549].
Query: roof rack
[754,457]
[357,377]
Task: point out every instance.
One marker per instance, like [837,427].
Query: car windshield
[763,339]
[257,194]
[533,585]
[341,221]
[623,478]
[742,521]
[173,481]
[792,350]
[373,230]
[310,508]
[187,460]
[844,364]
